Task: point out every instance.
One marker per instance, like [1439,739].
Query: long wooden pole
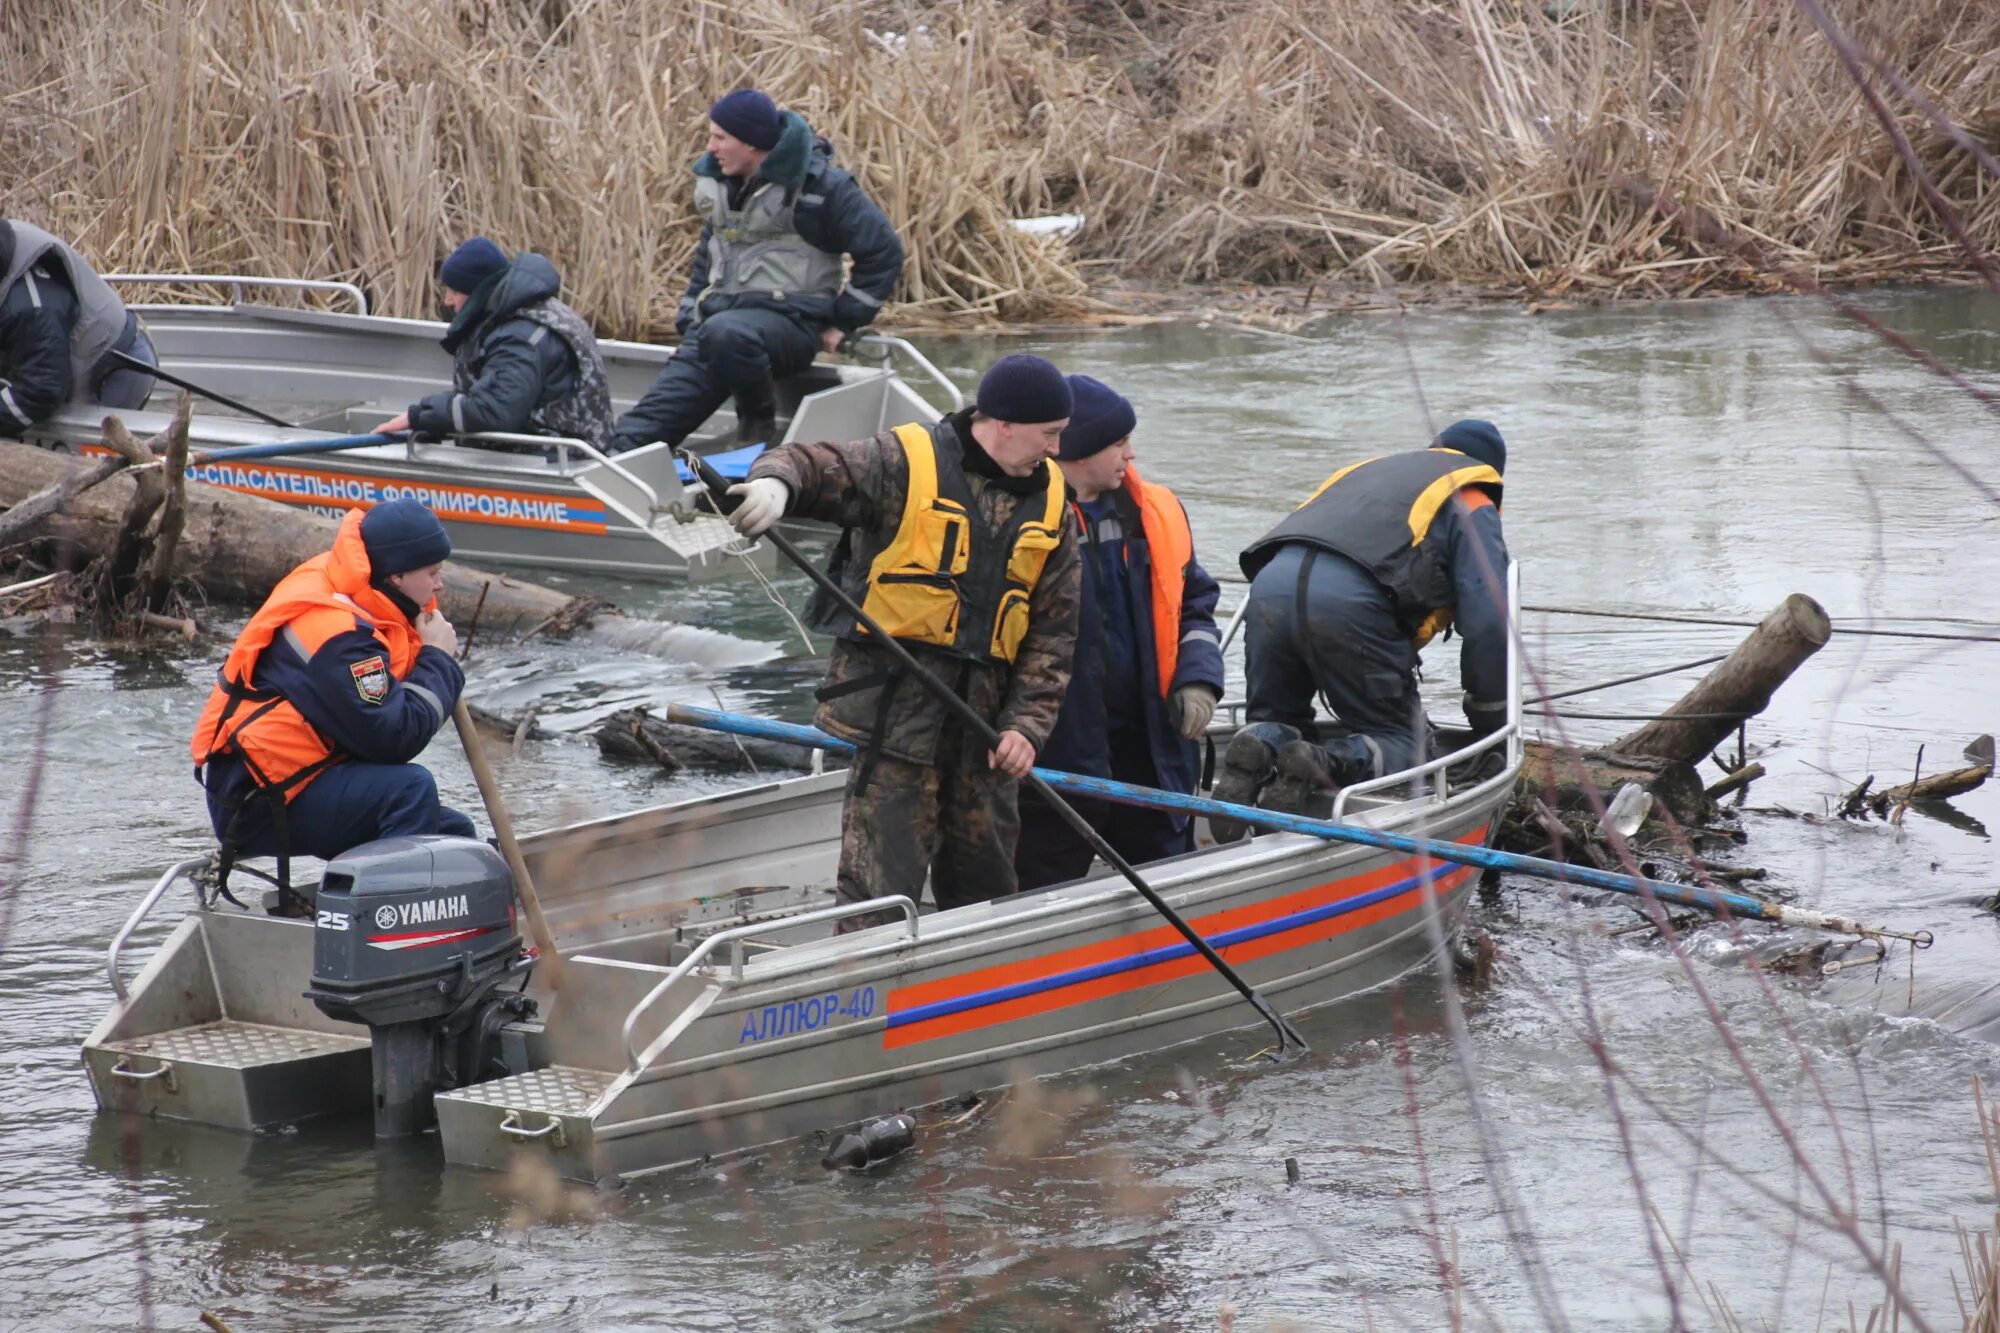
[503,829]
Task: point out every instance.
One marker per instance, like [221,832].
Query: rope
[1625,680]
[1752,624]
[741,550]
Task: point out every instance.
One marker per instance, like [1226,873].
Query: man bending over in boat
[1148,667]
[62,329]
[958,544]
[1342,599]
[767,292]
[334,686]
[523,363]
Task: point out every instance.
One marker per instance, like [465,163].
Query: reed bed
[1485,146]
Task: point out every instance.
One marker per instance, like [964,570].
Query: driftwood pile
[143,550]
[635,734]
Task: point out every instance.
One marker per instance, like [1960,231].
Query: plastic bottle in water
[874,1143]
[1627,811]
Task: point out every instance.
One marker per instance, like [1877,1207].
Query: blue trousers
[1334,634]
[727,353]
[347,805]
[1050,852]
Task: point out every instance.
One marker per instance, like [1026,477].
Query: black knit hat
[1099,417]
[402,535]
[749,115]
[1024,390]
[1475,439]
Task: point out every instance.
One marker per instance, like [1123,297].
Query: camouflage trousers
[956,820]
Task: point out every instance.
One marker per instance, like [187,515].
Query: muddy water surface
[1706,458]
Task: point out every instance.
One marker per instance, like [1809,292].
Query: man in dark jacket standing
[523,362]
[62,329]
[1343,595]
[959,546]
[767,292]
[1148,668]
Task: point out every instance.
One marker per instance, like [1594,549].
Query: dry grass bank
[1472,142]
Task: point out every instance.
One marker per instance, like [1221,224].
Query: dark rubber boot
[1302,771]
[1246,766]
[757,413]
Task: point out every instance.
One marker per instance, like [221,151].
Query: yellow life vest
[929,585]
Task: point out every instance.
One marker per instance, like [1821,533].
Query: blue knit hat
[402,535]
[1099,417]
[1475,439]
[1023,389]
[471,264]
[750,116]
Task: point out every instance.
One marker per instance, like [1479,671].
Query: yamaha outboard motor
[415,937]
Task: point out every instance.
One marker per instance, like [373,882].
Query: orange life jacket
[1172,543]
[320,599]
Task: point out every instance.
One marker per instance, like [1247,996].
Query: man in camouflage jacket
[924,795]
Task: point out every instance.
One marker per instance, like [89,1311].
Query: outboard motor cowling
[414,936]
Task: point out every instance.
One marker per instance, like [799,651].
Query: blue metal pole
[285,448]
[1720,903]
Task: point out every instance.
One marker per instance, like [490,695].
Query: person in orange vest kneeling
[335,685]
[1148,666]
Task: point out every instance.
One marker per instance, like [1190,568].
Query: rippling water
[1672,458]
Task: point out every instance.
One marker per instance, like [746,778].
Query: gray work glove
[1194,705]
[763,504]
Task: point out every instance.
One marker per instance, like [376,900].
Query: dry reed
[1481,143]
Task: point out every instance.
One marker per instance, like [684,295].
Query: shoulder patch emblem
[371,679]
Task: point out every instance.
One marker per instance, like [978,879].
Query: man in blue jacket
[767,292]
[523,362]
[63,333]
[1344,593]
[1148,666]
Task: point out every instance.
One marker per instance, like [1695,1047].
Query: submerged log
[236,546]
[1934,788]
[1739,688]
[633,733]
[1584,781]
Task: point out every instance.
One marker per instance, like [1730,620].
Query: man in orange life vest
[1148,666]
[335,685]
[1343,595]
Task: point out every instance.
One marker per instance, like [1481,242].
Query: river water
[1706,458]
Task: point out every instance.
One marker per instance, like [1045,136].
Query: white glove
[1197,705]
[764,501]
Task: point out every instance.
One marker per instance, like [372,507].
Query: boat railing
[562,445]
[139,914]
[1509,734]
[891,344]
[636,1060]
[236,282]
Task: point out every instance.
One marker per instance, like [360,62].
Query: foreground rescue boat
[502,499]
[707,1008]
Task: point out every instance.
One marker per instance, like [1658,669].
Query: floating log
[1737,780]
[633,733]
[235,546]
[1741,687]
[1934,788]
[1583,781]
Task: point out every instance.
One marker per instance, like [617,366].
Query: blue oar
[285,448]
[1721,903]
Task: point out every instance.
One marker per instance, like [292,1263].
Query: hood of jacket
[797,155]
[530,278]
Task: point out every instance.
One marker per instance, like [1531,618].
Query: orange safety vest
[1171,542]
[325,596]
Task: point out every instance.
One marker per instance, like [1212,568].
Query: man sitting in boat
[523,363]
[1148,666]
[335,685]
[767,293]
[957,543]
[63,333]
[1341,600]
